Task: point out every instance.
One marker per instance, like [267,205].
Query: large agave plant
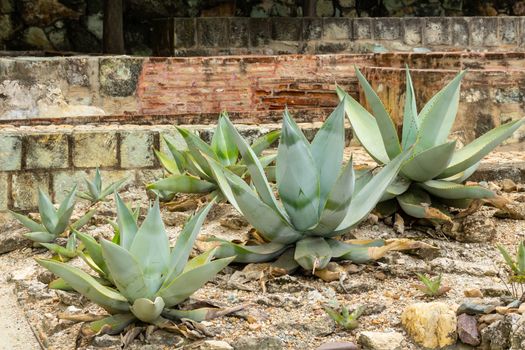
[190,171]
[431,180]
[150,279]
[320,199]
[54,222]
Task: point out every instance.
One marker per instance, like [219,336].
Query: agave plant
[96,192]
[431,287]
[64,253]
[150,279]
[54,221]
[343,317]
[190,170]
[432,178]
[320,199]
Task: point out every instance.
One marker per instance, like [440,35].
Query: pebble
[258,343]
[473,293]
[215,345]
[106,340]
[507,185]
[468,330]
[381,340]
[470,308]
[338,346]
[491,318]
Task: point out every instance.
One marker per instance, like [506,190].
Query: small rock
[497,335]
[106,340]
[399,224]
[165,338]
[476,228]
[338,346]
[11,239]
[215,345]
[507,185]
[39,290]
[431,325]
[258,343]
[381,340]
[473,293]
[521,309]
[46,277]
[494,291]
[468,330]
[70,298]
[491,318]
[475,309]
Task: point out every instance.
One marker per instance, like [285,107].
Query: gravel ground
[290,307]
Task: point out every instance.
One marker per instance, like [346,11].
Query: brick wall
[278,35]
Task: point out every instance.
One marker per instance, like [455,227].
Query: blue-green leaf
[223,144]
[410,119]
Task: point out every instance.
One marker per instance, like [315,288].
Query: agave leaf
[94,193]
[94,250]
[125,271]
[265,141]
[263,218]
[398,186]
[417,203]
[58,249]
[462,176]
[384,122]
[327,151]
[362,178]
[152,246]
[219,173]
[114,186]
[297,177]
[182,183]
[85,195]
[178,156]
[67,203]
[410,120]
[508,259]
[98,181]
[200,260]
[286,262]
[356,252]
[365,127]
[255,169]
[110,325]
[429,163]
[479,148]
[63,221]
[338,201]
[187,283]
[438,115]
[167,162]
[250,253]
[146,310]
[312,253]
[267,160]
[196,146]
[181,252]
[223,145]
[40,237]
[60,284]
[83,220]
[451,190]
[237,169]
[89,261]
[521,258]
[126,223]
[86,285]
[366,199]
[27,222]
[48,214]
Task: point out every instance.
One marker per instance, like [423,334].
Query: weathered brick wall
[277,35]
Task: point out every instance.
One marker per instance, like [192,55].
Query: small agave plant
[320,199]
[150,279]
[96,192]
[517,270]
[55,222]
[190,170]
[432,178]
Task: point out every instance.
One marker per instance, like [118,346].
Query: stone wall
[242,36]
